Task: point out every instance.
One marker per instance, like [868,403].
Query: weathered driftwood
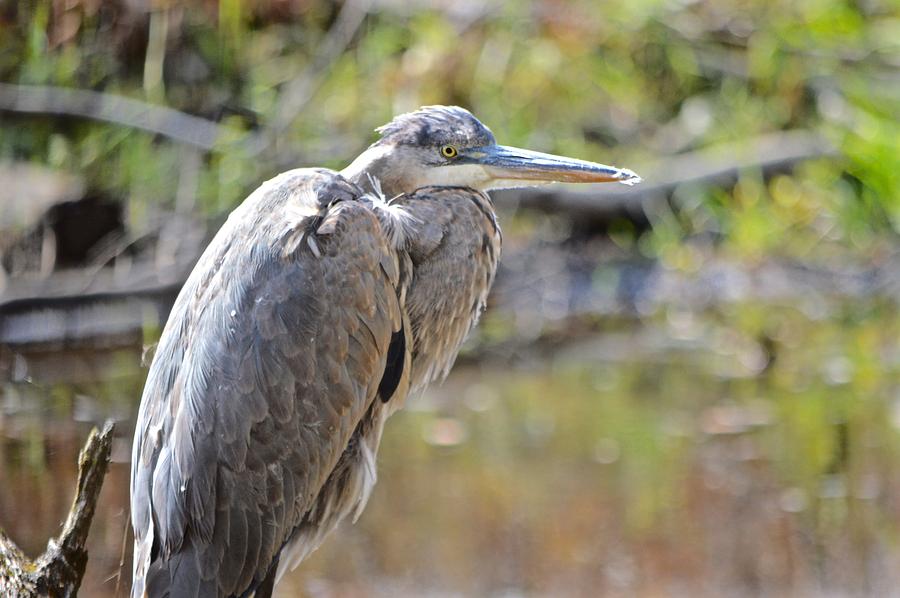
[59,570]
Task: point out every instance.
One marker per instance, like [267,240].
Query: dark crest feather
[435,126]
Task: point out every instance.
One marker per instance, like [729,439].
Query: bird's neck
[376,172]
[452,245]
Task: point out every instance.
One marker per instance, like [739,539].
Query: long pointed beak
[510,164]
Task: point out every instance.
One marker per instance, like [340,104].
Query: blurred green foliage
[624,82]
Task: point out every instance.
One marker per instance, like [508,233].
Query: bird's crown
[436,126]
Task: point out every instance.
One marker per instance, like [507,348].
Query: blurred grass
[620,84]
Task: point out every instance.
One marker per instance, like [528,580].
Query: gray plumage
[436,126]
[324,301]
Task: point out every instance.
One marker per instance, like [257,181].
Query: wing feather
[270,358]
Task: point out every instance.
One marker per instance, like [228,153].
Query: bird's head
[448,146]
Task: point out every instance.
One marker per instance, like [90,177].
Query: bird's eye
[448,151]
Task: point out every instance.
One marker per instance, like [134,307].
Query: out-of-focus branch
[42,310]
[59,570]
[297,93]
[186,128]
[46,99]
[716,166]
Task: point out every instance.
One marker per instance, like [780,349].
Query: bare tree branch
[59,570]
[41,310]
[716,166]
[160,120]
[298,92]
[186,128]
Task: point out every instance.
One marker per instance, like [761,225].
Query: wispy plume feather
[394,218]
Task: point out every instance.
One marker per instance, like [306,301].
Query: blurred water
[751,450]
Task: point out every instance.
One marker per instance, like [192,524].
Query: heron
[324,301]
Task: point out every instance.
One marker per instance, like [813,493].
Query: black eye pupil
[449,151]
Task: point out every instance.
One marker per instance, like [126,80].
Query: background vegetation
[625,82]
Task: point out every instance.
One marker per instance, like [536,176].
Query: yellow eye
[448,151]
